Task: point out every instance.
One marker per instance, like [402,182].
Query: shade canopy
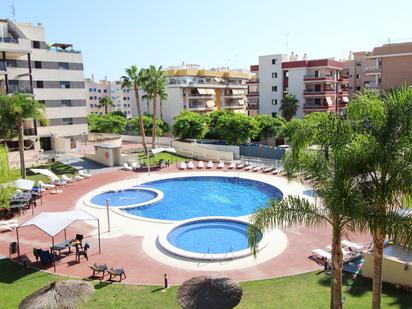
[163,149]
[23,184]
[209,292]
[52,223]
[59,295]
[45,172]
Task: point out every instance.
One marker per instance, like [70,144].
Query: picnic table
[61,246]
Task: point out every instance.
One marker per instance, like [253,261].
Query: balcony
[235,104]
[3,67]
[234,96]
[30,131]
[200,107]
[372,70]
[310,108]
[320,93]
[253,94]
[372,86]
[253,105]
[252,81]
[343,79]
[200,97]
[318,79]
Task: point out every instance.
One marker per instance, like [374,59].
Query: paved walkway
[127,250]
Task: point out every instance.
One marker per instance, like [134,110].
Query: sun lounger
[232,165]
[85,174]
[221,165]
[8,227]
[78,178]
[209,164]
[268,169]
[201,165]
[136,166]
[126,167]
[276,171]
[182,166]
[67,179]
[257,169]
[97,269]
[46,186]
[321,254]
[353,246]
[249,167]
[190,165]
[240,166]
[7,222]
[117,272]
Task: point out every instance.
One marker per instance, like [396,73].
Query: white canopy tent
[23,184]
[163,149]
[45,172]
[53,223]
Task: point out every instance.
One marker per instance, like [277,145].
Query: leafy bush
[237,128]
[190,125]
[106,123]
[162,127]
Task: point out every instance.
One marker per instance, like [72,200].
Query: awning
[241,102]
[210,103]
[52,223]
[345,99]
[45,172]
[163,149]
[202,91]
[329,100]
[23,184]
[211,91]
[236,92]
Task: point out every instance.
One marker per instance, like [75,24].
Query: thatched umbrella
[209,292]
[59,295]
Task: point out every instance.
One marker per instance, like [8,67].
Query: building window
[91,98]
[274,114]
[95,98]
[65,85]
[274,61]
[37,64]
[274,88]
[90,89]
[67,121]
[63,66]
[66,103]
[39,84]
[36,44]
[357,76]
[358,88]
[94,89]
[99,91]
[124,98]
[358,63]
[11,63]
[274,75]
[274,101]
[105,90]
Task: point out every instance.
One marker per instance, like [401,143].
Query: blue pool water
[123,197]
[211,236]
[192,197]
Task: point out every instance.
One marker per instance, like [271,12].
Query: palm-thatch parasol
[206,292]
[59,295]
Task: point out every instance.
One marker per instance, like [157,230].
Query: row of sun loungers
[8,225]
[134,166]
[113,272]
[350,250]
[232,165]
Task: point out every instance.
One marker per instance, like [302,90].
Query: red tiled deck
[126,251]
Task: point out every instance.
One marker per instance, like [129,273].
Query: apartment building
[192,88]
[387,66]
[123,99]
[53,74]
[253,91]
[318,85]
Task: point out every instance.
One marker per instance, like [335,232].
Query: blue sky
[115,34]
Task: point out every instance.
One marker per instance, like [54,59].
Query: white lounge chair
[353,246]
[190,165]
[78,178]
[67,178]
[200,165]
[8,227]
[277,171]
[209,164]
[250,167]
[322,254]
[232,165]
[268,169]
[85,174]
[182,166]
[221,165]
[46,186]
[257,169]
[135,166]
[126,167]
[8,222]
[240,166]
[58,181]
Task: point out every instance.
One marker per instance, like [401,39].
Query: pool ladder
[210,251]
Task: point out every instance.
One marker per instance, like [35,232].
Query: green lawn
[309,291]
[166,156]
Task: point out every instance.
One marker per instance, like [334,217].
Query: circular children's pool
[203,196]
[132,197]
[207,238]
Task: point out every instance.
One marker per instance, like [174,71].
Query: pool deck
[127,248]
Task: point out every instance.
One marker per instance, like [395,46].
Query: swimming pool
[203,196]
[126,198]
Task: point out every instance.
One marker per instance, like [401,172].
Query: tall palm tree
[147,97]
[20,107]
[132,80]
[106,102]
[289,106]
[330,170]
[155,84]
[385,124]
[162,97]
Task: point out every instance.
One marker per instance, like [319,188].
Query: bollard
[166,283]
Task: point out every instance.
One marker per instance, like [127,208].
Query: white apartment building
[198,90]
[53,74]
[318,85]
[123,99]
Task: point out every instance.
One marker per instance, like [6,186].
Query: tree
[162,97]
[20,107]
[106,102]
[189,125]
[148,126]
[289,106]
[106,123]
[270,126]
[330,169]
[385,124]
[118,113]
[212,119]
[154,85]
[132,80]
[147,97]
[237,128]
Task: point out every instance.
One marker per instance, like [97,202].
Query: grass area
[166,156]
[309,291]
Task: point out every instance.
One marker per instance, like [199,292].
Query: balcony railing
[9,40]
[30,131]
[199,107]
[372,85]
[20,89]
[312,92]
[201,96]
[234,96]
[372,69]
[3,66]
[321,78]
[253,93]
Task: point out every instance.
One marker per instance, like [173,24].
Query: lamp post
[108,215]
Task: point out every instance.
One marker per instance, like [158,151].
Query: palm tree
[385,124]
[20,107]
[162,97]
[330,170]
[132,80]
[106,102]
[147,97]
[289,106]
[155,85]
